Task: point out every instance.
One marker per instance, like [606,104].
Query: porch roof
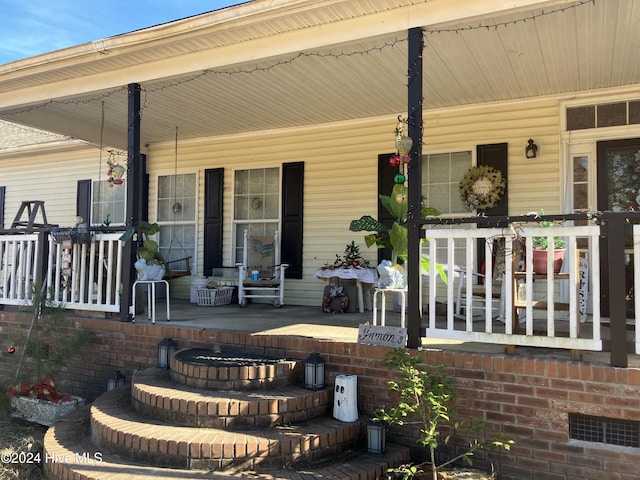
[271,64]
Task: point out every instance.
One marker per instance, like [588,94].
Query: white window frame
[236,238]
[105,184]
[450,151]
[183,251]
[584,142]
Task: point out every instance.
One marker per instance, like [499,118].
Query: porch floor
[259,318]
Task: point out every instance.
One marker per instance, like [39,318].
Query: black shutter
[83,200]
[495,155]
[292,217]
[213,210]
[386,174]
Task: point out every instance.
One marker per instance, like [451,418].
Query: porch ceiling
[249,68]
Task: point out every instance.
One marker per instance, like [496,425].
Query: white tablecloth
[364,275]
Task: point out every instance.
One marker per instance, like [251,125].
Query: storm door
[618,166]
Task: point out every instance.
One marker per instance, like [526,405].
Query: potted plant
[151,265]
[41,354]
[426,398]
[396,236]
[541,249]
[351,258]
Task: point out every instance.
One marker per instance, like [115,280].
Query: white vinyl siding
[341,173]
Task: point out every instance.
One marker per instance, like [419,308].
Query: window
[256,204]
[580,182]
[603,115]
[441,174]
[176,215]
[108,203]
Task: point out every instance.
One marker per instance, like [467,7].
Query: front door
[618,166]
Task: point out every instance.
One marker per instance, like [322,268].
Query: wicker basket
[214,297]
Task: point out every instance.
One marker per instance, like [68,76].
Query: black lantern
[531,150]
[115,380]
[376,437]
[314,372]
[166,348]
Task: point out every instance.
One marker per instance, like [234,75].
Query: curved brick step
[254,375]
[68,439]
[155,395]
[117,427]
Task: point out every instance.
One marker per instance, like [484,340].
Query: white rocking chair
[261,255]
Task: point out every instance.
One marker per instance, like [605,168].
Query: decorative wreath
[335,302]
[481,188]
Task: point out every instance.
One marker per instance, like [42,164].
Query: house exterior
[260,87]
[268,110]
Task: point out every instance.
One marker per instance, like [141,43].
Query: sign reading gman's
[383,336]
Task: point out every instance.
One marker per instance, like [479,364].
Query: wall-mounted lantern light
[531,150]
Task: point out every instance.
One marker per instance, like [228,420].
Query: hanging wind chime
[401,159]
[115,171]
[176,208]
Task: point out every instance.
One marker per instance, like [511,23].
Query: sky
[33,27]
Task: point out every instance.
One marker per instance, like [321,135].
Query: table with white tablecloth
[361,275]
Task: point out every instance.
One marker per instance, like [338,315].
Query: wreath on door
[481,188]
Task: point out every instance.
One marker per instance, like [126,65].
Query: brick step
[155,395]
[67,444]
[117,427]
[197,367]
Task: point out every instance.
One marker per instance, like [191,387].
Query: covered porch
[562,312]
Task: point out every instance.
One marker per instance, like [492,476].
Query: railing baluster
[528,289]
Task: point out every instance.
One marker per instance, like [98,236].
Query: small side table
[151,298]
[383,293]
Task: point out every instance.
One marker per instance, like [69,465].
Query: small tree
[426,399]
[47,348]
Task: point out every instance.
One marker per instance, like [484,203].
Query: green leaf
[368,224]
[395,208]
[398,236]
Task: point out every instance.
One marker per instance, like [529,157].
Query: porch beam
[414,97]
[135,188]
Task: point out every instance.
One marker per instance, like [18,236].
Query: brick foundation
[528,398]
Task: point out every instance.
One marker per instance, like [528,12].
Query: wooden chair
[261,275]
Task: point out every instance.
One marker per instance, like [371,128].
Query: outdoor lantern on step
[314,372]
[166,348]
[115,380]
[376,437]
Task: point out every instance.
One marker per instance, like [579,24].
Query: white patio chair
[261,260]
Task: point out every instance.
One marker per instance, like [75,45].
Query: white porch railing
[17,256]
[456,250]
[78,276]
